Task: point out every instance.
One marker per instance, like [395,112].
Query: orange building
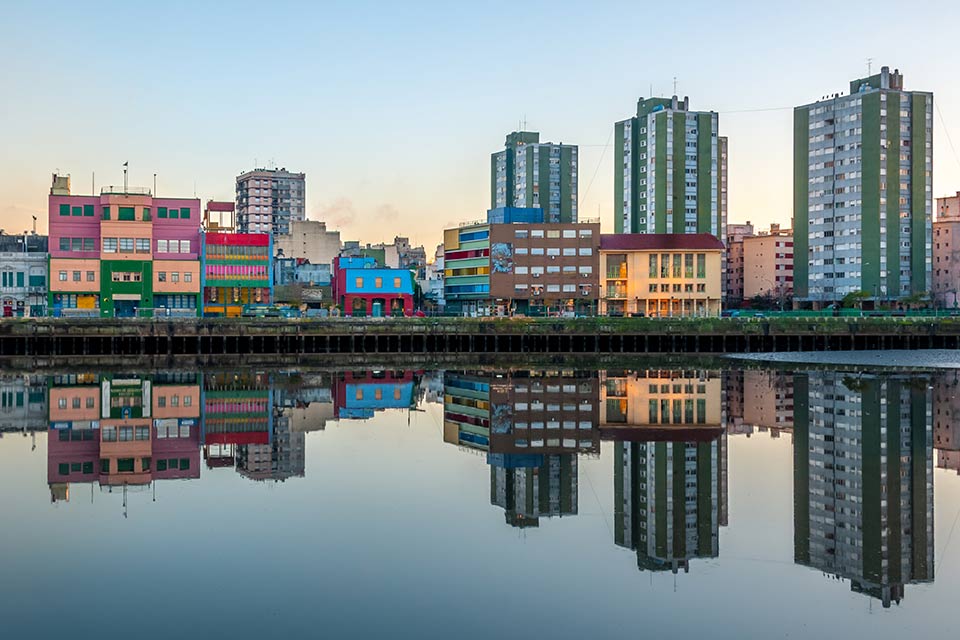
[768,265]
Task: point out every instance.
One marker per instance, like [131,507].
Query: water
[479,503]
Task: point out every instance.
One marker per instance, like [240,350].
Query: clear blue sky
[393,110]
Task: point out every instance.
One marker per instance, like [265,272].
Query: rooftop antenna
[869,66]
[674,85]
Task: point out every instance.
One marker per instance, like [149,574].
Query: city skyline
[82,109]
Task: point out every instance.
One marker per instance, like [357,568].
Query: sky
[393,109]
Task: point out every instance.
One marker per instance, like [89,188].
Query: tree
[919,299]
[854,299]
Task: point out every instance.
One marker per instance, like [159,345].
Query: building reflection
[531,425]
[670,459]
[359,395]
[863,480]
[946,419]
[121,430]
[758,400]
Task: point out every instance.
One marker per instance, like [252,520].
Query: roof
[657,241]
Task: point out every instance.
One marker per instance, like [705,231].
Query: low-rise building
[23,275]
[945,284]
[309,240]
[768,266]
[661,275]
[236,272]
[534,269]
[123,253]
[361,288]
[733,276]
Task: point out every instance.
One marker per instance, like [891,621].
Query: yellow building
[660,275]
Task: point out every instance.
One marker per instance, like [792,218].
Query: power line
[947,132]
[597,170]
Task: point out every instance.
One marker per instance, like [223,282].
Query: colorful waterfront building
[236,272]
[123,253]
[363,289]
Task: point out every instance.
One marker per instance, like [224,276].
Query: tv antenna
[674,85]
[869,66]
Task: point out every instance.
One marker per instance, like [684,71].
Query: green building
[528,173]
[667,501]
[863,201]
[863,480]
[670,170]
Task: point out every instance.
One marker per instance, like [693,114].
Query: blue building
[364,289]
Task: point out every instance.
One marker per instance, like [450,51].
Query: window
[145,464]
[88,244]
[665,265]
[161,246]
[108,434]
[63,276]
[161,276]
[77,211]
[64,209]
[126,213]
[187,276]
[173,213]
[88,210]
[378,283]
[688,265]
[359,283]
[76,276]
[143,245]
[520,233]
[64,244]
[105,212]
[569,233]
[126,245]
[536,251]
[161,212]
[125,465]
[536,233]
[677,271]
[396,283]
[126,434]
[701,265]
[109,245]
[553,233]
[146,214]
[142,433]
[553,251]
[184,213]
[569,251]
[91,276]
[586,251]
[184,246]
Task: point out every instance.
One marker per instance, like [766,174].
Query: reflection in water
[862,446]
[863,480]
[531,425]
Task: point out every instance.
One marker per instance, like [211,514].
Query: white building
[268,200]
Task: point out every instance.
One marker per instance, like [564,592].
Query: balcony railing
[124,191]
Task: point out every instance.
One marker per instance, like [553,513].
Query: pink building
[945,284]
[123,253]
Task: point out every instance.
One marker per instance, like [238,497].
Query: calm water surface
[479,503]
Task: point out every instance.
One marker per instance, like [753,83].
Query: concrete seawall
[57,338]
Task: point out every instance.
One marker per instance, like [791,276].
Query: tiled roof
[657,241]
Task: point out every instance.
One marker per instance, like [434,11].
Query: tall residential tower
[670,170]
[529,173]
[862,193]
[269,199]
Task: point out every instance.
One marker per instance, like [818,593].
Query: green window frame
[125,465]
[88,210]
[104,465]
[146,214]
[126,213]
[677,269]
[64,209]
[19,278]
[184,464]
[185,213]
[161,465]
[78,211]
[701,411]
[161,212]
[173,213]
[87,467]
[105,211]
[701,265]
[145,462]
[652,418]
[63,469]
